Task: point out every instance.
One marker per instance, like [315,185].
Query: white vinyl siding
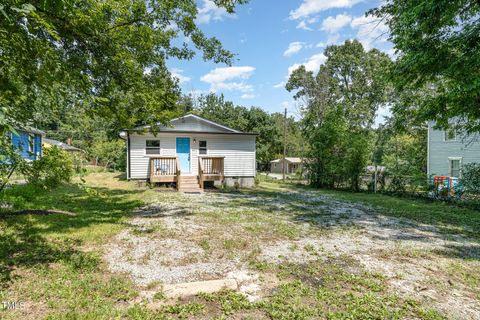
[238,150]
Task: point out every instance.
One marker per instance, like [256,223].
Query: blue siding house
[28,142]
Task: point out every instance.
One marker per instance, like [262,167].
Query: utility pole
[284,142]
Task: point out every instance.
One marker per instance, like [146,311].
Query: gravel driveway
[184,238]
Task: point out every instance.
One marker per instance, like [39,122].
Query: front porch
[168,169]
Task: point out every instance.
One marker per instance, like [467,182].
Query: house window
[450,135]
[455,167]
[152,147]
[202,147]
[31,143]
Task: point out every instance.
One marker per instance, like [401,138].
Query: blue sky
[271,38]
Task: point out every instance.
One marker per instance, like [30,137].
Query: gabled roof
[61,145]
[31,130]
[191,123]
[206,121]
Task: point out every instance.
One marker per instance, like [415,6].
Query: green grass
[324,290]
[53,262]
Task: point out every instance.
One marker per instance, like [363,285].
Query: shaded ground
[182,238]
[293,253]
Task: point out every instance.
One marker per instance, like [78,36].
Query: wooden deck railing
[164,169]
[210,169]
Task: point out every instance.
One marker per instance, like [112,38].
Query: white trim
[206,149]
[128,160]
[208,121]
[159,148]
[428,151]
[450,159]
[445,132]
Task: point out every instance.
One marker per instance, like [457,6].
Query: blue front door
[183,153]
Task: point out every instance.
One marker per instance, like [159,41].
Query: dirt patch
[185,237]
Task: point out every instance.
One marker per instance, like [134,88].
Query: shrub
[471,177]
[53,168]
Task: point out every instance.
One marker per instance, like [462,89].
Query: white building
[189,152]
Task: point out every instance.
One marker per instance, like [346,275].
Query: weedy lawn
[107,248]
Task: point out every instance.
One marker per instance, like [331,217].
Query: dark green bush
[53,168]
[471,177]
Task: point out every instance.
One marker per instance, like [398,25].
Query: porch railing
[164,169]
[210,168]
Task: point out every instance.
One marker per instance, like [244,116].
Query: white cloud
[178,73]
[293,48]
[209,11]
[311,7]
[303,25]
[247,96]
[370,30]
[312,64]
[229,78]
[280,84]
[321,45]
[334,24]
[231,86]
[228,73]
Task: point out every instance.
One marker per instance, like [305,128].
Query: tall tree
[438,47]
[107,57]
[340,103]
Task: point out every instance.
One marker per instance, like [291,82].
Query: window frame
[446,133]
[147,148]
[31,143]
[450,168]
[200,148]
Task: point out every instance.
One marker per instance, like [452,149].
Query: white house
[189,152]
[449,151]
[293,164]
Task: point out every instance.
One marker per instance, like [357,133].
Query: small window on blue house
[202,147]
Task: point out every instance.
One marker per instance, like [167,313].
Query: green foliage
[340,102]
[110,153]
[269,127]
[403,153]
[471,177]
[53,168]
[438,65]
[103,58]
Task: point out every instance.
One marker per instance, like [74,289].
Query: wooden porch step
[189,184]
